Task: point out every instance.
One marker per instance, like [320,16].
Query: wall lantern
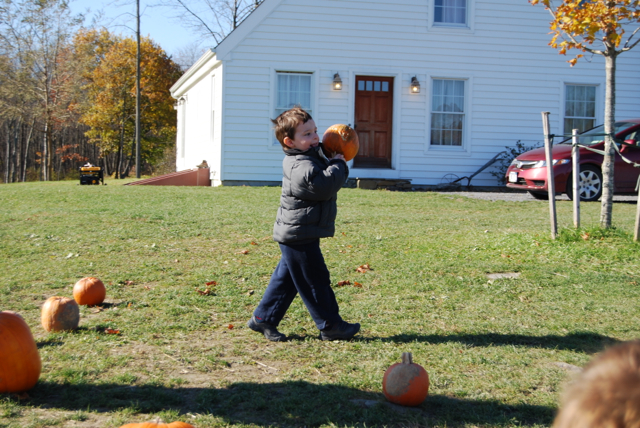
[337,82]
[415,85]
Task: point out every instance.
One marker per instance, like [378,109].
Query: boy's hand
[336,156]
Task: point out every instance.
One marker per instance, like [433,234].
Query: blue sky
[155,21]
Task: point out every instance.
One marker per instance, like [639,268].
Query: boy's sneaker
[269,330]
[341,331]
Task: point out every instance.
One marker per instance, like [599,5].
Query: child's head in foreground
[288,123]
[607,392]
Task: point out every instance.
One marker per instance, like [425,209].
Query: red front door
[373,121]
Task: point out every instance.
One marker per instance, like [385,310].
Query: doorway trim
[392,172]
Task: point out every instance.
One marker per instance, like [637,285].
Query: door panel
[373,121]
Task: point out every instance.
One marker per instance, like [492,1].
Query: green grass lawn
[492,346]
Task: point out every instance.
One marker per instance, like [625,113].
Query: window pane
[376,86]
[385,86]
[580,107]
[361,85]
[369,85]
[450,11]
[447,112]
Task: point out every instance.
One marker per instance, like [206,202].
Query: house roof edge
[204,59]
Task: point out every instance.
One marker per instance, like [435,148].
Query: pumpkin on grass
[60,314]
[341,139]
[20,364]
[89,291]
[406,383]
[158,424]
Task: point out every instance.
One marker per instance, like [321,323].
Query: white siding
[511,73]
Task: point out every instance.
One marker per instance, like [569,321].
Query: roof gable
[246,27]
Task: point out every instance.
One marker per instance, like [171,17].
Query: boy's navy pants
[301,270]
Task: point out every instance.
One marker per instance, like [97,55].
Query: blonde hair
[607,392]
[287,122]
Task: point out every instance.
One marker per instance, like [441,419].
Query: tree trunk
[45,153]
[7,151]
[609,129]
[26,151]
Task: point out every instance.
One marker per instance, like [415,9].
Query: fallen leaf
[206,292]
[585,236]
[344,234]
[343,283]
[128,282]
[253,243]
[230,326]
[370,315]
[146,287]
[212,283]
[111,331]
[243,252]
[357,284]
[363,268]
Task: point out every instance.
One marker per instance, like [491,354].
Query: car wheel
[541,196]
[590,182]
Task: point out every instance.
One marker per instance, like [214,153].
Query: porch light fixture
[337,82]
[415,85]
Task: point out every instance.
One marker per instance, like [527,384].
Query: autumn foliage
[579,24]
[110,73]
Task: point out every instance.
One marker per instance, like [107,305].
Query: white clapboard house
[484,69]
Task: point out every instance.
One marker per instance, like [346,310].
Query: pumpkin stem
[406,358]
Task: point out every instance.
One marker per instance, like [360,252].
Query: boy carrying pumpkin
[307,212]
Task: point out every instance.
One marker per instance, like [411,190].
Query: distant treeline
[68,96]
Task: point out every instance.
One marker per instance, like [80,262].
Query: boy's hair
[607,392]
[287,122]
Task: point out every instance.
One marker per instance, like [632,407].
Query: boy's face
[306,136]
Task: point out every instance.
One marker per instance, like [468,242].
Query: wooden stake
[575,156]
[551,183]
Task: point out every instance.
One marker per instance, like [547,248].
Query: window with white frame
[450,12]
[292,89]
[579,108]
[447,112]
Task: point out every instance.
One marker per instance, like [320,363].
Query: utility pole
[138,89]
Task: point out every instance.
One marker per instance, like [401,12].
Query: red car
[528,171]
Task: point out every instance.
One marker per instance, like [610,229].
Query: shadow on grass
[579,341]
[283,404]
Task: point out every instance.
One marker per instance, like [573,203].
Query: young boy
[607,393]
[307,213]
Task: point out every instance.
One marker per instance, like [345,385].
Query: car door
[626,175]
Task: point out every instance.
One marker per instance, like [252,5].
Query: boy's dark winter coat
[310,184]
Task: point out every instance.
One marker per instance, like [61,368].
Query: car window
[596,135]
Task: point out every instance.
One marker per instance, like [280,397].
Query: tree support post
[551,182]
[575,157]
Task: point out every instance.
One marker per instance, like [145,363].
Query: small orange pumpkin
[406,383]
[20,363]
[89,291]
[341,139]
[60,314]
[158,424]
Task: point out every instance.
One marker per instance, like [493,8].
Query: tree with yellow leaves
[111,90]
[599,27]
